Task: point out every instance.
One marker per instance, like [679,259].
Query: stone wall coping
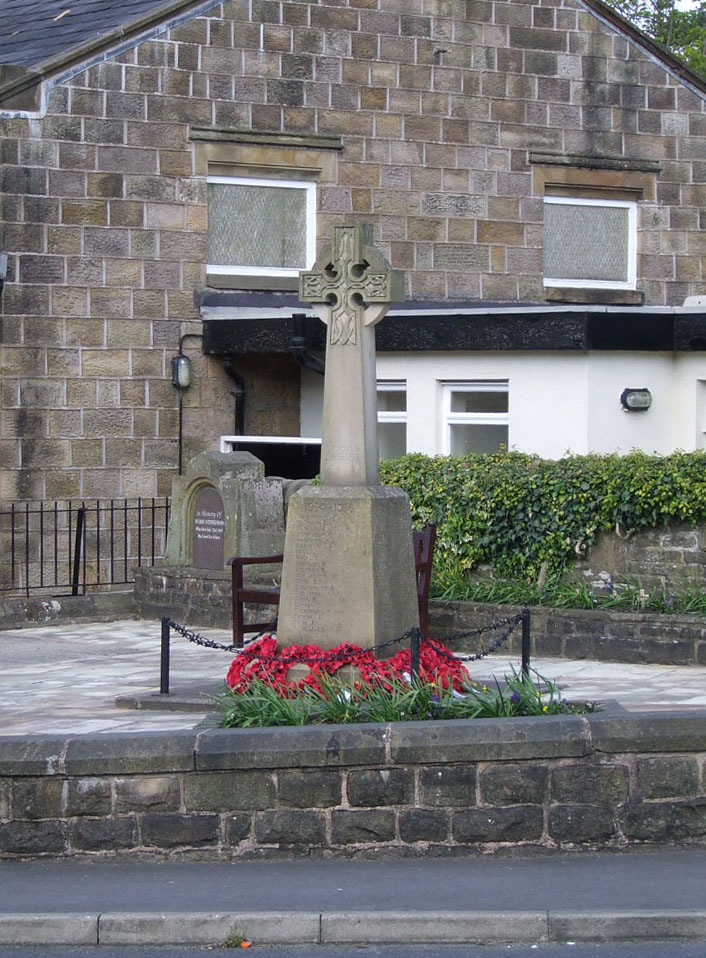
[161,567]
[334,746]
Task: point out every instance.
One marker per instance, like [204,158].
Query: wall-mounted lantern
[636,400]
[181,371]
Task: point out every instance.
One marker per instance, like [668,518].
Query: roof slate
[35,31]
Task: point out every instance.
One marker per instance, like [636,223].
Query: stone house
[537,169]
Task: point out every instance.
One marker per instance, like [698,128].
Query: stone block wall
[444,111]
[607,780]
[665,557]
[638,637]
[188,596]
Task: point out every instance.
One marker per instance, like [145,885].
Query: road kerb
[436,927]
[50,929]
[626,926]
[353,927]
[169,928]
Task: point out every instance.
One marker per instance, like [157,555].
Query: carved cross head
[355,282]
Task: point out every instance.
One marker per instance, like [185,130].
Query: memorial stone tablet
[209,528]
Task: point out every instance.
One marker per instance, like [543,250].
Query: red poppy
[262,660]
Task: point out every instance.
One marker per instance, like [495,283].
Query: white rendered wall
[537,382]
[690,402]
[610,427]
[558,402]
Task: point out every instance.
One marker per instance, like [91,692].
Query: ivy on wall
[520,514]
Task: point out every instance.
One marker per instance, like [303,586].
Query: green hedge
[518,513]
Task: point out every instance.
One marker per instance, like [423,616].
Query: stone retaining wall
[18,612]
[664,557]
[636,637]
[197,601]
[190,596]
[405,789]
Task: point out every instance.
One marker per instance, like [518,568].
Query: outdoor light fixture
[181,371]
[636,400]
[181,380]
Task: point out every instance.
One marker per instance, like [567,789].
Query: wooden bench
[423,557]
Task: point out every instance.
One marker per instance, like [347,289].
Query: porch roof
[238,323]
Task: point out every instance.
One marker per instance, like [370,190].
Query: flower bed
[261,692]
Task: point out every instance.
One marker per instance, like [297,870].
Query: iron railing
[77,546]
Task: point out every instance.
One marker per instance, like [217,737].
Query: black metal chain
[512,622]
[345,650]
[493,647]
[198,639]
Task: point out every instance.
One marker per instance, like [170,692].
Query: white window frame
[630,281]
[451,418]
[277,184]
[396,415]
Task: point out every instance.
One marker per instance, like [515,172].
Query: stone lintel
[223,134]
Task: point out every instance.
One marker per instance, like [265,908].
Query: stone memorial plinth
[348,575]
[348,572]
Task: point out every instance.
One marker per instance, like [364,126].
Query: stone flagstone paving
[64,679]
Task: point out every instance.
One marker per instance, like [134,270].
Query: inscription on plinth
[348,574]
[321,591]
[209,529]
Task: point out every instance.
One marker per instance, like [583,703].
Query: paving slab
[59,679]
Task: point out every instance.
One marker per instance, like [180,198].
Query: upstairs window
[260,227]
[590,243]
[476,416]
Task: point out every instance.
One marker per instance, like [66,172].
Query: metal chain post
[525,642]
[415,640]
[164,659]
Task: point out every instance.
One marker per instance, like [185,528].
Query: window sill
[598,297]
[267,283]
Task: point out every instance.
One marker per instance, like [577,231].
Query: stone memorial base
[348,573]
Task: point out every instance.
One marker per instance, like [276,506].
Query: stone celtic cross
[350,290]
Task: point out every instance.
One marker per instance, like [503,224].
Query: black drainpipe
[299,344]
[238,394]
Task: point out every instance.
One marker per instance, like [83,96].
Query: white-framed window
[590,243]
[476,416]
[260,227]
[392,418]
[700,438]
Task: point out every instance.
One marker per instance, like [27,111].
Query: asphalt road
[664,949]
